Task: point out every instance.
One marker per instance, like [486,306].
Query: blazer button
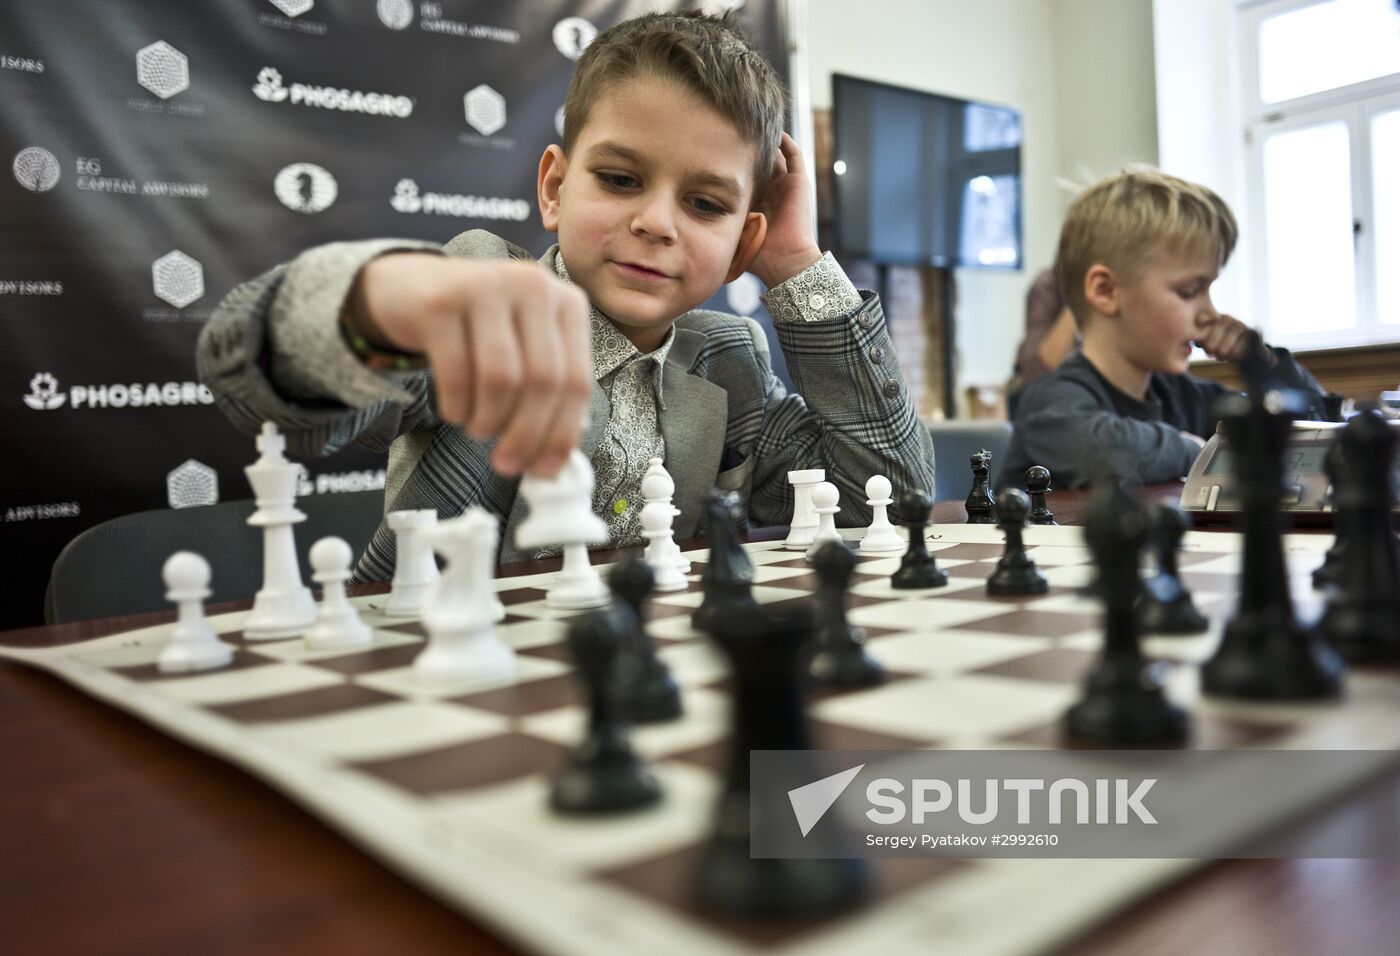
[891,389]
[864,320]
[877,355]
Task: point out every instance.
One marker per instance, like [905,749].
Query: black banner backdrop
[161,152]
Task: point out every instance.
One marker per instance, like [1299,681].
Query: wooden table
[117,839]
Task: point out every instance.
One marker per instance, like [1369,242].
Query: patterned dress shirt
[632,382]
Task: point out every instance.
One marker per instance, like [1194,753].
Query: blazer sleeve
[851,415]
[272,350]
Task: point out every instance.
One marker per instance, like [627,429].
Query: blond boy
[1138,253]
[673,178]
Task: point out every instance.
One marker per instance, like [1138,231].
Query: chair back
[114,567]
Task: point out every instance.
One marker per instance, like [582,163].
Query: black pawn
[649,690]
[602,774]
[1123,703]
[1362,619]
[1265,654]
[728,574]
[840,659]
[1016,573]
[981,508]
[1038,485]
[766,651]
[1166,606]
[918,568]
[1329,574]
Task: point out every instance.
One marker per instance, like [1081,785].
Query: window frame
[1356,104]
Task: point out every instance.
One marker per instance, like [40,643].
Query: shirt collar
[612,349]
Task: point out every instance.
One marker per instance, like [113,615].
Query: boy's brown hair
[1126,219]
[705,54]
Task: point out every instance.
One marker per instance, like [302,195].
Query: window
[1322,103]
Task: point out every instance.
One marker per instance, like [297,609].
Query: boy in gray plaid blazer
[470,364]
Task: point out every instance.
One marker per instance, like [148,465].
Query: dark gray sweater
[1073,421]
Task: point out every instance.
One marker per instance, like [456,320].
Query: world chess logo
[293,8]
[395,14]
[192,485]
[162,69]
[305,188]
[743,295]
[486,109]
[43,393]
[810,802]
[36,169]
[269,86]
[177,278]
[572,35]
[406,198]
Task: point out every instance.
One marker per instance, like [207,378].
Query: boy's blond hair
[1125,220]
[705,54]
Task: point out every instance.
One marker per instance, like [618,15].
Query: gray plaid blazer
[273,351]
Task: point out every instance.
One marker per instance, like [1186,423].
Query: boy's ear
[1101,289]
[750,241]
[553,165]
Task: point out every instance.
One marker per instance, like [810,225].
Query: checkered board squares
[447,782]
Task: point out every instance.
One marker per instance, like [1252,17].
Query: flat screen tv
[923,179]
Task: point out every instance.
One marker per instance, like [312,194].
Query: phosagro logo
[36,169]
[268,88]
[305,187]
[409,201]
[43,393]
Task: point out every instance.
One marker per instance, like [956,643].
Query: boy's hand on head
[1226,338]
[791,245]
[508,345]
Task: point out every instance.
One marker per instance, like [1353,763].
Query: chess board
[447,783]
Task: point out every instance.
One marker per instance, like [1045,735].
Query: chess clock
[1211,483]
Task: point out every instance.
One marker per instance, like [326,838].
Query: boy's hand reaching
[508,345]
[791,245]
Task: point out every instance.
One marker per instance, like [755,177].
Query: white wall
[1079,70]
[1199,119]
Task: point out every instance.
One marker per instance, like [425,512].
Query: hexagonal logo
[162,69]
[572,34]
[36,169]
[486,109]
[191,485]
[178,279]
[395,14]
[743,294]
[305,187]
[293,8]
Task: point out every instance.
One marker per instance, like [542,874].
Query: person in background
[1051,334]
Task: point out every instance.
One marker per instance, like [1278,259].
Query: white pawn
[804,519]
[657,487]
[824,498]
[656,528]
[415,571]
[194,645]
[881,536]
[337,623]
[561,512]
